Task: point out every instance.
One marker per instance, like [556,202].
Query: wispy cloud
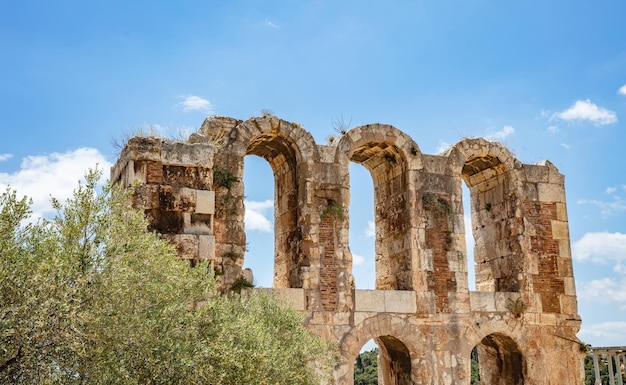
[622,90]
[41,177]
[553,129]
[442,146]
[196,103]
[605,291]
[608,207]
[271,24]
[4,157]
[370,231]
[566,146]
[255,216]
[585,110]
[502,134]
[608,332]
[601,248]
[357,259]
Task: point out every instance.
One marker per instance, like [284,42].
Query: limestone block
[569,305]
[504,299]
[186,245]
[565,267]
[535,173]
[560,230]
[548,318]
[295,297]
[369,300]
[459,301]
[206,246]
[561,212]
[205,202]
[548,192]
[482,301]
[530,192]
[147,197]
[361,316]
[570,286]
[400,301]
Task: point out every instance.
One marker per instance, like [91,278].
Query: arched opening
[281,154]
[366,365]
[469,238]
[259,221]
[362,228]
[394,361]
[493,204]
[392,366]
[496,360]
[387,167]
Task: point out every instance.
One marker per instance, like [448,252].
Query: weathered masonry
[523,317]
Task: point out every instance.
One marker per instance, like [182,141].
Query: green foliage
[333,209]
[474,369]
[437,204]
[241,283]
[91,297]
[366,368]
[390,158]
[223,178]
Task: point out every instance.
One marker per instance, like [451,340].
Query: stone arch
[390,156]
[288,149]
[488,169]
[500,360]
[396,352]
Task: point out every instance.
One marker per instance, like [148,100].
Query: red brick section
[441,280]
[328,269]
[547,283]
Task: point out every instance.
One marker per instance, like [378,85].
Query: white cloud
[255,217]
[607,208]
[601,248]
[565,146]
[4,157]
[41,177]
[605,333]
[357,259]
[270,24]
[196,103]
[502,134]
[605,291]
[622,90]
[371,229]
[553,129]
[585,110]
[442,146]
[611,190]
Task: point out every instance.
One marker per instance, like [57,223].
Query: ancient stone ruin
[522,319]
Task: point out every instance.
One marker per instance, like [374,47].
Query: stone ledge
[390,301]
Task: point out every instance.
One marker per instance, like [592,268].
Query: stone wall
[523,319]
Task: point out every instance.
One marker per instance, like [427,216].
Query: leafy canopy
[91,297]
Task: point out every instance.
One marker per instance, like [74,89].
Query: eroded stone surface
[523,318]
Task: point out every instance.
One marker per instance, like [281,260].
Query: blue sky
[546,79]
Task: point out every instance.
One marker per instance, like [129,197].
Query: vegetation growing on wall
[223,178]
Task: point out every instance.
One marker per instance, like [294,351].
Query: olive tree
[91,296]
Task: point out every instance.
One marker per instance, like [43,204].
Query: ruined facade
[522,319]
